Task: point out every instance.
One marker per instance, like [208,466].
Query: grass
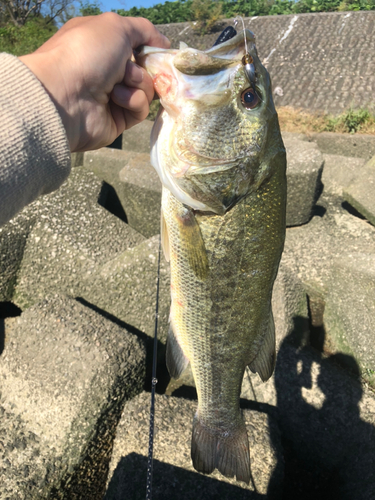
[351,121]
[298,120]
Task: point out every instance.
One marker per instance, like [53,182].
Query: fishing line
[154,381]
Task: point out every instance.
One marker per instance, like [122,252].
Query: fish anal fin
[197,255]
[227,451]
[164,236]
[264,362]
[175,358]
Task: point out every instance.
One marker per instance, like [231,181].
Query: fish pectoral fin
[164,236]
[225,450]
[264,362]
[196,250]
[176,360]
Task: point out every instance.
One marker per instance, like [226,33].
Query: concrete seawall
[320,62]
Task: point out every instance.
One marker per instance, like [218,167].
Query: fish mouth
[194,62]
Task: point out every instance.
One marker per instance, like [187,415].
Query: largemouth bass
[217,148]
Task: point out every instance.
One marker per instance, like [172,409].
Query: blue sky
[107,5]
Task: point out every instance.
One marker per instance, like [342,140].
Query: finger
[134,100]
[124,118]
[143,32]
[137,77]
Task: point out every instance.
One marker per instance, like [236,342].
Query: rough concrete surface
[64,376]
[13,237]
[339,172]
[361,192]
[313,58]
[140,192]
[72,235]
[304,170]
[173,474]
[125,287]
[136,183]
[138,138]
[333,256]
[349,145]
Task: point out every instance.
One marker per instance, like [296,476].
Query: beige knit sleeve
[34,150]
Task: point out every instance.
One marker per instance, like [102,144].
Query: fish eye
[249,98]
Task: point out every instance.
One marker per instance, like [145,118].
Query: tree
[20,10]
[58,11]
[89,9]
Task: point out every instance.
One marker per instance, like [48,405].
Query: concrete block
[106,163]
[173,474]
[304,170]
[125,287]
[139,190]
[13,237]
[64,376]
[333,258]
[72,236]
[339,172]
[361,193]
[349,316]
[351,145]
[138,137]
[136,183]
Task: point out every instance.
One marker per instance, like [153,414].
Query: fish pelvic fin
[227,451]
[164,236]
[191,233]
[176,360]
[264,362]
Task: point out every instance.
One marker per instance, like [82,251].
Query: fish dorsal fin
[164,236]
[264,362]
[176,360]
[183,45]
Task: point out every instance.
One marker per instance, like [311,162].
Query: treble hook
[249,68]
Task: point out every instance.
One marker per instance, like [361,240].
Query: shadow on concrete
[7,310]
[109,200]
[329,449]
[169,483]
[161,372]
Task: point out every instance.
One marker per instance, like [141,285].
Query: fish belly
[221,319]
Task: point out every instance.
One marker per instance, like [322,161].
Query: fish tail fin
[264,362]
[227,451]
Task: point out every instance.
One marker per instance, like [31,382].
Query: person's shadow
[330,450]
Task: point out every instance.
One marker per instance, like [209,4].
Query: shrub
[20,40]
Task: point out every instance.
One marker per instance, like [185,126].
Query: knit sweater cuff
[34,150]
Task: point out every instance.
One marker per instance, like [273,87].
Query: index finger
[143,32]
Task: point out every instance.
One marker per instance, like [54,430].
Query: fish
[217,148]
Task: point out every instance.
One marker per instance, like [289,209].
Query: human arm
[77,92]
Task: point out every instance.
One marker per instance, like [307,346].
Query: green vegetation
[206,13]
[205,10]
[169,12]
[20,40]
[89,9]
[351,121]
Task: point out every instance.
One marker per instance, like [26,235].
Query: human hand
[87,70]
